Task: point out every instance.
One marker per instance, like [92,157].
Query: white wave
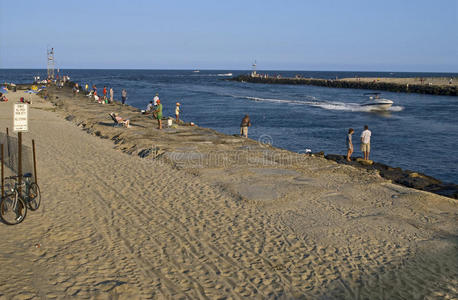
[329,105]
[212,75]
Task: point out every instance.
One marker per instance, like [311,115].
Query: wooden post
[8,146]
[2,181]
[19,161]
[34,162]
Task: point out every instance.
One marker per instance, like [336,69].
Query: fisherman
[158,114]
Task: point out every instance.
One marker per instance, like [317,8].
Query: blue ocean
[420,132]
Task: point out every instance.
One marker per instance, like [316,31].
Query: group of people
[365,142]
[155,107]
[365,138]
[107,94]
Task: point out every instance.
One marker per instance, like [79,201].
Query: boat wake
[212,75]
[328,105]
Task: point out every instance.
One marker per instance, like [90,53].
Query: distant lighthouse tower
[50,63]
[253,73]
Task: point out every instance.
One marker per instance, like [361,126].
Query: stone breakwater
[403,177]
[433,89]
[193,147]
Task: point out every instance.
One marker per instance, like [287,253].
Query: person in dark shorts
[123,96]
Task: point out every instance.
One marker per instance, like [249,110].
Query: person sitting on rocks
[149,107]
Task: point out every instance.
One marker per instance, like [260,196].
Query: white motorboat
[196,71]
[377,103]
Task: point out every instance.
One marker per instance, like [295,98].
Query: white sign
[21,117]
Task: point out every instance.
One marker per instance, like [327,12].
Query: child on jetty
[244,126]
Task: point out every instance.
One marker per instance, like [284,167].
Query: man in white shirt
[366,142]
[155,99]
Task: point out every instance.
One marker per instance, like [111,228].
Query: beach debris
[145,152]
[70,117]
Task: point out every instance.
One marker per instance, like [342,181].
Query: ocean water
[420,132]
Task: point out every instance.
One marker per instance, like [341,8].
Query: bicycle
[14,205]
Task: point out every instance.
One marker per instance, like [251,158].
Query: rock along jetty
[433,86]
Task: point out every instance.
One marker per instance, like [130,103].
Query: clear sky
[360,35]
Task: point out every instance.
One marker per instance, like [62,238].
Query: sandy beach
[187,213]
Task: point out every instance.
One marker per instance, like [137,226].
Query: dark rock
[70,117]
[406,178]
[145,152]
[319,154]
[336,158]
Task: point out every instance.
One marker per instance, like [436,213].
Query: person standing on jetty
[349,144]
[123,96]
[111,94]
[366,142]
[177,112]
[104,92]
[158,114]
[244,126]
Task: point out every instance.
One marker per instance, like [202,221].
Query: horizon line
[248,70]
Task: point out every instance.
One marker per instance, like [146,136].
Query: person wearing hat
[158,113]
[177,112]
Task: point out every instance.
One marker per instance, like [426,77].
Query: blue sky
[202,34]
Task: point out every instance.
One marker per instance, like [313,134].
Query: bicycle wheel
[12,209]
[34,197]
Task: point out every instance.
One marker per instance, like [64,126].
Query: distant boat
[377,103]
[225,74]
[196,71]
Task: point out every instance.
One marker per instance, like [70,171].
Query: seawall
[380,84]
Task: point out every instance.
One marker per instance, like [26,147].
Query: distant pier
[430,85]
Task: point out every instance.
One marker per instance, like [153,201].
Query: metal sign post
[20,125]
